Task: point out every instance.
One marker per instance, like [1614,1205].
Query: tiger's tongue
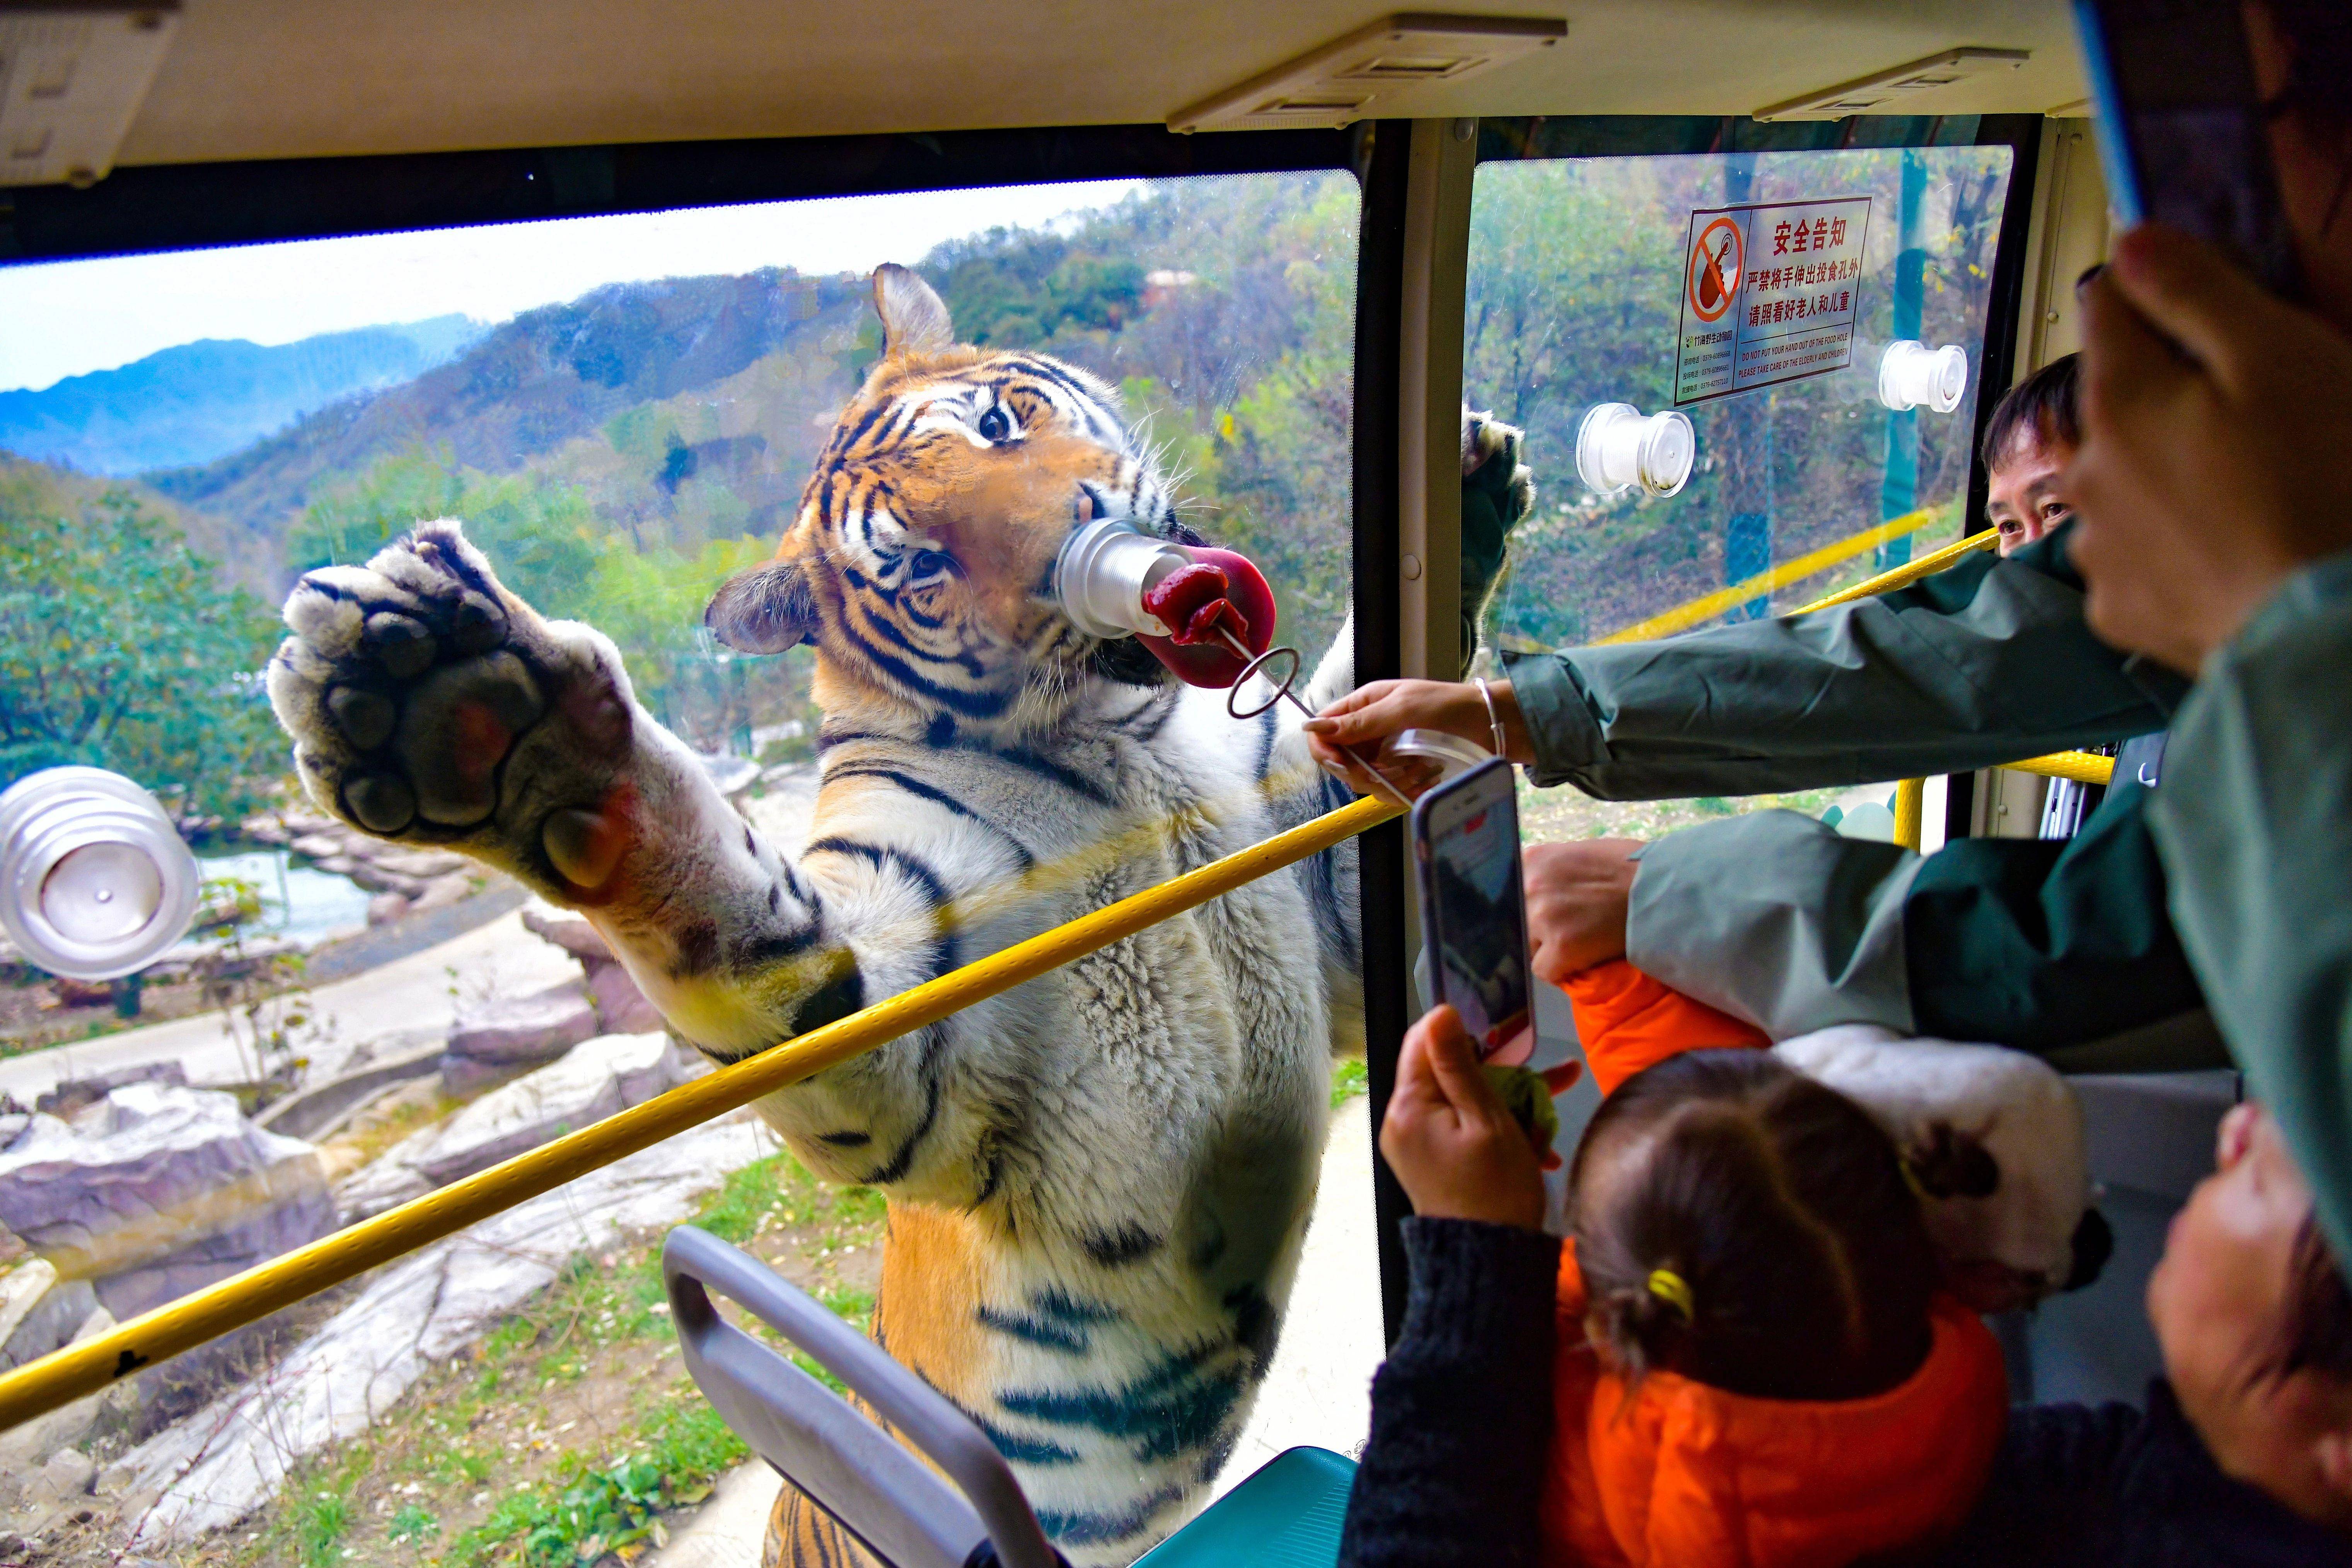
[1219,594]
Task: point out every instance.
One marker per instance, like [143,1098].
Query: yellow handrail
[2083,767]
[1902,576]
[1706,607]
[85,1367]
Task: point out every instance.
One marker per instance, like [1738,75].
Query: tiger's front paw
[429,704]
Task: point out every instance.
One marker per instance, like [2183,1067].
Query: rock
[30,1443]
[596,1079]
[570,932]
[442,891]
[423,864]
[213,1469]
[386,1182]
[319,846]
[593,1080]
[163,1189]
[386,908]
[375,878]
[318,1109]
[72,1094]
[66,1473]
[266,830]
[39,1312]
[498,1040]
[620,1005]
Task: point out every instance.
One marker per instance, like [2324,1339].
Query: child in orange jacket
[1753,1365]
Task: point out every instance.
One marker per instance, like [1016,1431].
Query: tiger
[1099,1182]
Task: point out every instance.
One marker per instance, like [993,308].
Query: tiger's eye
[995,425]
[930,563]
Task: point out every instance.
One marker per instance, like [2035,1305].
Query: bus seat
[2150,1140]
[1285,1515]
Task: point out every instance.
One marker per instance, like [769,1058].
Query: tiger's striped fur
[1099,1182]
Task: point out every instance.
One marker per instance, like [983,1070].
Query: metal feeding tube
[1110,578]
[1282,691]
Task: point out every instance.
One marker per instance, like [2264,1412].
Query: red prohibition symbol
[1716,259]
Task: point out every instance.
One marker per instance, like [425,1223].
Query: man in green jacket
[1781,920]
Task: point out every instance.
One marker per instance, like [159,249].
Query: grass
[567,1433]
[1349,1079]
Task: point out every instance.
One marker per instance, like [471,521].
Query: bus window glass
[1809,314]
[896,753]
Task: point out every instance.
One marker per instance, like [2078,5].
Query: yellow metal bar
[2083,767]
[1910,811]
[67,1374]
[1795,569]
[1902,576]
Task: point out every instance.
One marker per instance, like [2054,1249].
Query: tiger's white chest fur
[1113,1164]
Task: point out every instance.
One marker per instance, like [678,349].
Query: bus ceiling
[215,80]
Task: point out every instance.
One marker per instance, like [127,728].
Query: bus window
[1747,379]
[896,756]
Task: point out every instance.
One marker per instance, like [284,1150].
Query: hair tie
[1671,1288]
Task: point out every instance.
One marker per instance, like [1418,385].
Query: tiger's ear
[913,318]
[766,609]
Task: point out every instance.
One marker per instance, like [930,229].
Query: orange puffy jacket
[1676,1474]
[1627,1021]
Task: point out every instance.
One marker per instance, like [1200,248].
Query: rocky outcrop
[40,1312]
[210,1470]
[493,1040]
[621,1006]
[158,1190]
[595,1079]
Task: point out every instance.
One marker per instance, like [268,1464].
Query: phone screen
[2182,134]
[1467,839]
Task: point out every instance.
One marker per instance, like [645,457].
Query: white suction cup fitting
[1913,375]
[1617,448]
[95,881]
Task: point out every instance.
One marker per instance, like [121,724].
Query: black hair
[2043,407]
[2315,1334]
[1799,1261]
[2318,34]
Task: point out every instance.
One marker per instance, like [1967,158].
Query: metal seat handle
[852,1467]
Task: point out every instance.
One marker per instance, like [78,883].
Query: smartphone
[2182,133]
[1465,839]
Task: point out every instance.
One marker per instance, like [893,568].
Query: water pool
[299,901]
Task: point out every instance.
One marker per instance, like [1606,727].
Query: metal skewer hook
[1282,692]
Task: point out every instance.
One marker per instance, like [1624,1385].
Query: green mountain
[199,401]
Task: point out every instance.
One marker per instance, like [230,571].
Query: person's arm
[1984,662]
[1778,920]
[2255,822]
[1462,1410]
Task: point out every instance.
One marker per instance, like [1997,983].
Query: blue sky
[66,318]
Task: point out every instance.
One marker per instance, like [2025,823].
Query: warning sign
[1768,295]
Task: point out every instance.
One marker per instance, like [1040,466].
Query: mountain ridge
[200,401]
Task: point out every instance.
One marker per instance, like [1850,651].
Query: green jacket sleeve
[2253,818]
[1985,662]
[1778,920]
[1775,918]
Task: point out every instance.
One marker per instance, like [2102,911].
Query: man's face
[2218,1299]
[2021,499]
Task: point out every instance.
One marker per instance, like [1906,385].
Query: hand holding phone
[1466,836]
[2183,133]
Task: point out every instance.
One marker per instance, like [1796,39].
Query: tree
[119,649]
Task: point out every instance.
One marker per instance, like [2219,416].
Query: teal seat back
[1286,1515]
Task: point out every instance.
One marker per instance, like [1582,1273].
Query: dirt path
[413,994]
